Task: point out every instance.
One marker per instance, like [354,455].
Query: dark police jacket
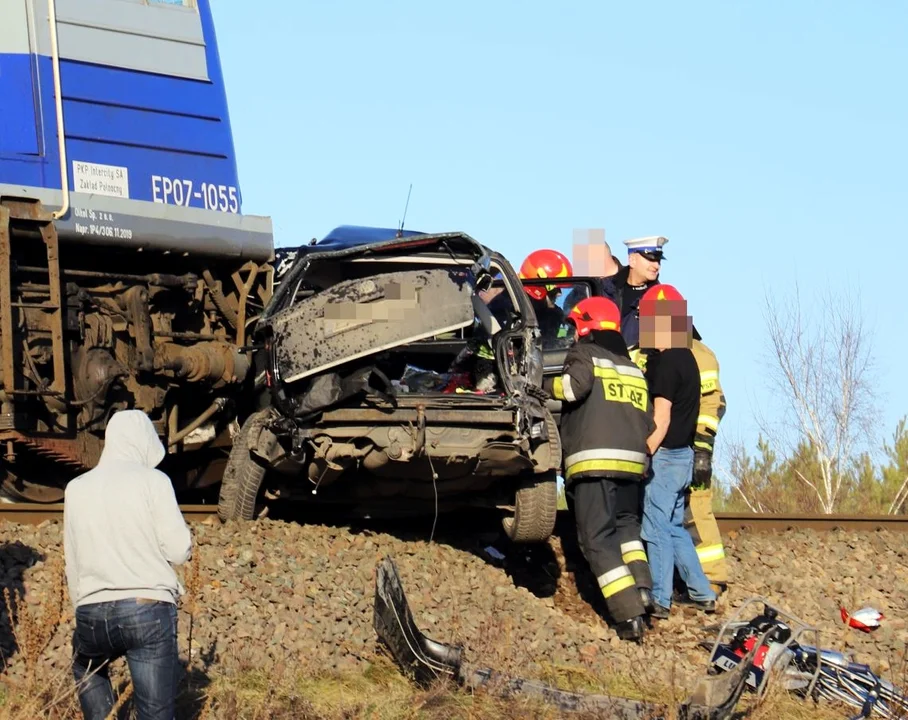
[606,415]
[613,287]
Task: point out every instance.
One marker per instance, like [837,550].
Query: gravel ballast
[272,593]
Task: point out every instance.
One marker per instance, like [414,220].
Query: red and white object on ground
[866,619]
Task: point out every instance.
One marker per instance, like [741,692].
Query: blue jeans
[668,543]
[146,633]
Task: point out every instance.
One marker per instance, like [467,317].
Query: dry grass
[31,695]
[240,689]
[378,693]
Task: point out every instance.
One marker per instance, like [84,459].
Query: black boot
[707,606]
[646,596]
[631,629]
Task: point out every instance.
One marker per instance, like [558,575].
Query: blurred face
[669,327]
[590,258]
[643,269]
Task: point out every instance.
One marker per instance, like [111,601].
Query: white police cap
[647,245]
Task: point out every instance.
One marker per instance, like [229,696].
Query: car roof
[352,240]
[351,236]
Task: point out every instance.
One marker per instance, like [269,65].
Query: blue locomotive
[129,276]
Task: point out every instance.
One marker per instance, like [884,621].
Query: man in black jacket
[605,420]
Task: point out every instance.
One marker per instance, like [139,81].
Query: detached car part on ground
[424,660]
[389,387]
[805,669]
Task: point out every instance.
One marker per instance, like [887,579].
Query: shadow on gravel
[576,564]
[15,559]
[192,694]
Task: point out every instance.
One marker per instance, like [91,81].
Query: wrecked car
[400,374]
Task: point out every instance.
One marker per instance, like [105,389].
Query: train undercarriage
[89,330]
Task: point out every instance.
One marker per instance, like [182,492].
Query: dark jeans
[146,633]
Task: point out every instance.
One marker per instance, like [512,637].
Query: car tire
[535,510]
[243,475]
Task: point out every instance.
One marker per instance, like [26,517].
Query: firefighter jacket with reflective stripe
[606,415]
[712,399]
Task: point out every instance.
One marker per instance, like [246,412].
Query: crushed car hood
[362,317]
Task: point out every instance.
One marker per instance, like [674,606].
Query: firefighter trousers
[607,512]
[704,531]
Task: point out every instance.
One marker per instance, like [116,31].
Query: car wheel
[535,510]
[243,475]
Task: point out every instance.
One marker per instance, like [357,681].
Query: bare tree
[822,368]
[901,496]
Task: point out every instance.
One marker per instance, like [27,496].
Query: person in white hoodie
[123,531]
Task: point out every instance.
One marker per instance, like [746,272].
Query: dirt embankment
[270,594]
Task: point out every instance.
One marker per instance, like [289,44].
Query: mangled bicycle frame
[808,670]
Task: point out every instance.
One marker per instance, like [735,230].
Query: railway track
[35,513]
[750,522]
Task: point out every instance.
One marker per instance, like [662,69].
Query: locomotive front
[129,278]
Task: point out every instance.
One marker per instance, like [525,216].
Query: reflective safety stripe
[633,552]
[711,553]
[623,466]
[605,454]
[614,581]
[625,379]
[563,389]
[710,421]
[704,444]
[567,388]
[628,374]
[623,369]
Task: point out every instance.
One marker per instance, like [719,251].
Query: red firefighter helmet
[656,294]
[595,313]
[544,264]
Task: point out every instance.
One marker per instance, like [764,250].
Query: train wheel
[24,491]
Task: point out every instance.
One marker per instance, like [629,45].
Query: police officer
[605,421]
[626,287]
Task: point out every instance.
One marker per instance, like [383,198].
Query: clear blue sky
[767,140]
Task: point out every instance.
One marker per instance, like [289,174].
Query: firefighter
[699,519]
[605,420]
[546,263]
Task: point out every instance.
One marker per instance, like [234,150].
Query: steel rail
[37,513]
[752,522]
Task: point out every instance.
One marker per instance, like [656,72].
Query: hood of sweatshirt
[131,437]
